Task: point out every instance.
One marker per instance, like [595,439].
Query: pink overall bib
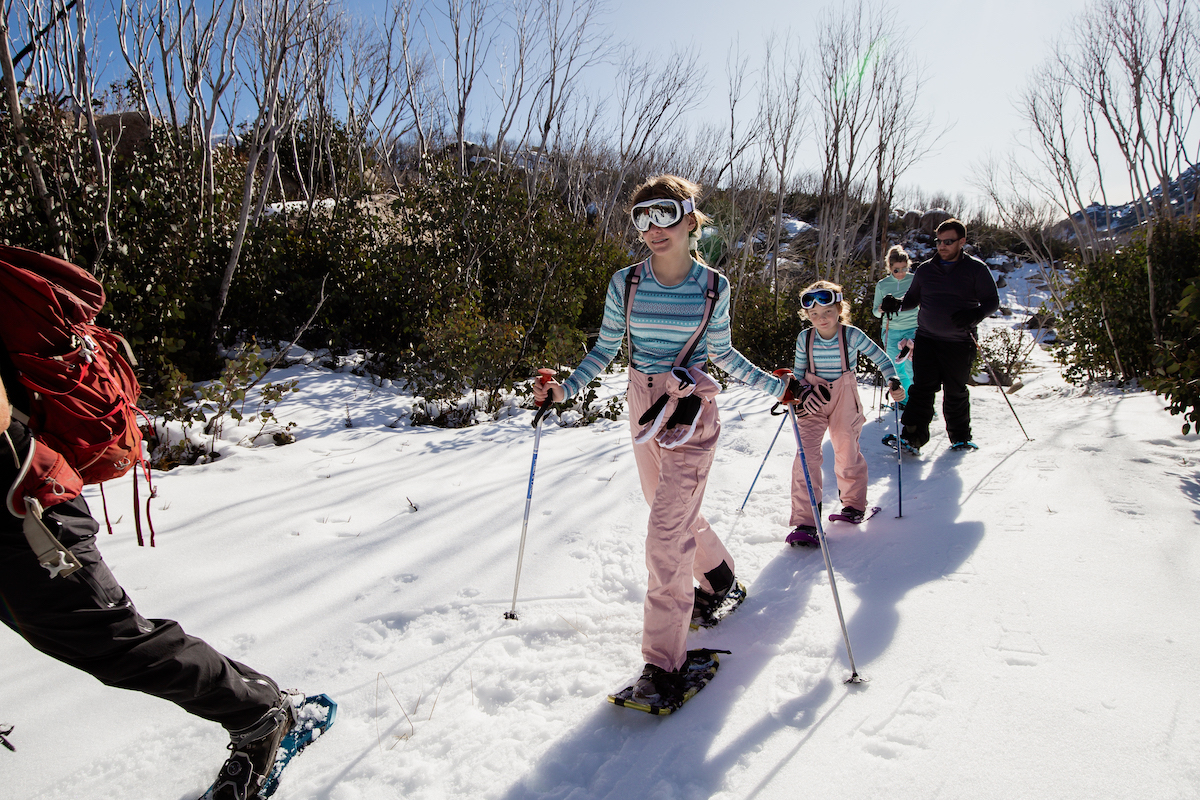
[680,544]
[843,417]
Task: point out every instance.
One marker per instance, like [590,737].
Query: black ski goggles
[663,212]
[820,297]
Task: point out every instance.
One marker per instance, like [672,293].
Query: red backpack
[82,391]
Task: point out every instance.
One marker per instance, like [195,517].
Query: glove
[682,423]
[672,419]
[965,318]
[813,398]
[897,391]
[906,349]
[793,386]
[889,305]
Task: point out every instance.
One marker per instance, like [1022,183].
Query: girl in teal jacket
[903,325]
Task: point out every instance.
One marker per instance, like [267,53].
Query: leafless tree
[904,135]
[1124,78]
[849,45]
[415,66]
[12,99]
[573,41]
[511,84]
[281,31]
[366,76]
[649,100]
[741,166]
[783,113]
[467,43]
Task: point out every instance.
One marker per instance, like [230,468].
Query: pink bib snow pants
[680,544]
[843,417]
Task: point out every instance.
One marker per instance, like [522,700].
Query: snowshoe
[709,609]
[258,758]
[660,692]
[803,536]
[964,446]
[890,441]
[854,515]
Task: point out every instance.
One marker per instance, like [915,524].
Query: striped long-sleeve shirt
[661,321]
[827,356]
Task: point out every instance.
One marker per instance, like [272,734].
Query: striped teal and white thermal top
[827,356]
[661,321]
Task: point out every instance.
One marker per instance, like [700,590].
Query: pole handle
[544,376]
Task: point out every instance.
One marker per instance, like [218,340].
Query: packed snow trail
[1027,626]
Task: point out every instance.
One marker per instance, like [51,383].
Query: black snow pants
[942,365]
[87,620]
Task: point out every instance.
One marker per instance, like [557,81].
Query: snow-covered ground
[1028,626]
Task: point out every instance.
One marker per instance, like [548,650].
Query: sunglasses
[948,242]
[820,297]
[663,213]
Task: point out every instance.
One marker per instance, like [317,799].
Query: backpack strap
[632,279]
[845,348]
[710,303]
[843,340]
[808,348]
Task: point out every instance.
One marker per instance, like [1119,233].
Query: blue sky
[977,57]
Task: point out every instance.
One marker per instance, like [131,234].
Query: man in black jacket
[955,292]
[85,619]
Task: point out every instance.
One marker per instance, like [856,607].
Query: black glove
[965,318]
[685,411]
[654,410]
[889,305]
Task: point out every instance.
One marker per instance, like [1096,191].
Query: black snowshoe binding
[851,514]
[905,445]
[253,754]
[709,608]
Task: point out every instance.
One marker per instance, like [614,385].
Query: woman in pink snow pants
[673,311]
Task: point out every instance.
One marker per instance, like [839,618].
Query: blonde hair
[673,187]
[844,312]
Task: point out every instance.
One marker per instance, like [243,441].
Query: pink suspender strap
[845,348]
[634,277]
[710,302]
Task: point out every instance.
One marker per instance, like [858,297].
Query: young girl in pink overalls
[829,401]
[675,312]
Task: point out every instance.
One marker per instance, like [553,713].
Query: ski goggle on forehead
[663,212]
[820,297]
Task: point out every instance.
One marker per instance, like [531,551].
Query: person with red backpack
[56,591]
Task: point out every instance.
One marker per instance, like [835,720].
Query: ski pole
[764,461]
[812,501]
[543,377]
[899,474]
[887,326]
[1003,394]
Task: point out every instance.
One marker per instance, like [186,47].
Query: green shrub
[1107,302]
[1177,366]
[1004,354]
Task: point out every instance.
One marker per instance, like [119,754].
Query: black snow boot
[253,754]
[705,603]
[659,687]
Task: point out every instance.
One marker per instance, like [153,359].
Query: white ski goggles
[820,297]
[663,212]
